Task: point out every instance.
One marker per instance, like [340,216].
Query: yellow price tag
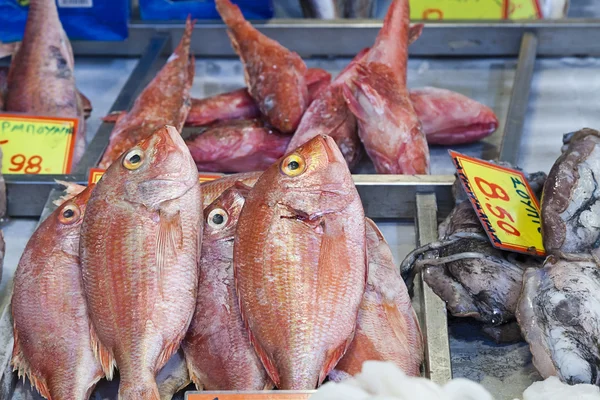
[264,395]
[37,145]
[96,173]
[474,9]
[504,203]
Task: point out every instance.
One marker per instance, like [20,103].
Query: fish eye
[293,165]
[69,214]
[217,218]
[133,159]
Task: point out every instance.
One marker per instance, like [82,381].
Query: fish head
[221,216]
[157,169]
[313,180]
[67,218]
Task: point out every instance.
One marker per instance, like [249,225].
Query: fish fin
[333,357]
[353,104]
[168,351]
[102,354]
[193,376]
[168,240]
[113,116]
[23,368]
[414,33]
[86,104]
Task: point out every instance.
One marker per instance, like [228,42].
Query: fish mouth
[332,151]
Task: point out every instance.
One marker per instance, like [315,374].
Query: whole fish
[53,347]
[217,346]
[274,75]
[165,101]
[237,146]
[388,125]
[571,200]
[387,328]
[237,104]
[213,189]
[450,118]
[41,80]
[299,264]
[559,316]
[139,251]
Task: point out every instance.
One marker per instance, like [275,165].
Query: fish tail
[141,388]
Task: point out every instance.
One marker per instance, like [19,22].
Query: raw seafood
[213,189]
[450,118]
[217,346]
[474,278]
[570,205]
[165,101]
[299,262]
[53,347]
[140,243]
[41,79]
[559,315]
[388,125]
[237,146]
[274,75]
[387,326]
[237,104]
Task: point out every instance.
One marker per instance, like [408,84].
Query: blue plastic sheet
[81,19]
[201,9]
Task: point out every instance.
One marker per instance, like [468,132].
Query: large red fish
[450,118]
[217,347]
[299,263]
[139,251]
[41,78]
[388,124]
[237,146]
[274,75]
[165,101]
[387,328]
[53,347]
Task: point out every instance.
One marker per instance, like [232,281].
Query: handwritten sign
[96,173]
[264,395]
[474,9]
[504,203]
[37,145]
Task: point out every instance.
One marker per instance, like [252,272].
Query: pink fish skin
[274,75]
[237,146]
[165,101]
[217,346]
[213,189]
[387,328]
[41,79]
[450,118]
[388,125]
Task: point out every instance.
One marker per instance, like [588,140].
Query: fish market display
[387,326]
[41,79]
[299,264]
[474,279]
[237,146]
[165,101]
[274,75]
[559,316]
[213,189]
[388,125]
[450,118]
[139,251]
[571,205]
[217,346]
[53,348]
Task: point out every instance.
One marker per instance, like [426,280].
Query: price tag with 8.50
[504,203]
[37,145]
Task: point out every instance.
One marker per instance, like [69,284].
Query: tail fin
[140,388]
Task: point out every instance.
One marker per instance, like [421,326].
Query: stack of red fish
[264,280]
[367,105]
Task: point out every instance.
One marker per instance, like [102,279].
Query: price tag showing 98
[504,203]
[37,145]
